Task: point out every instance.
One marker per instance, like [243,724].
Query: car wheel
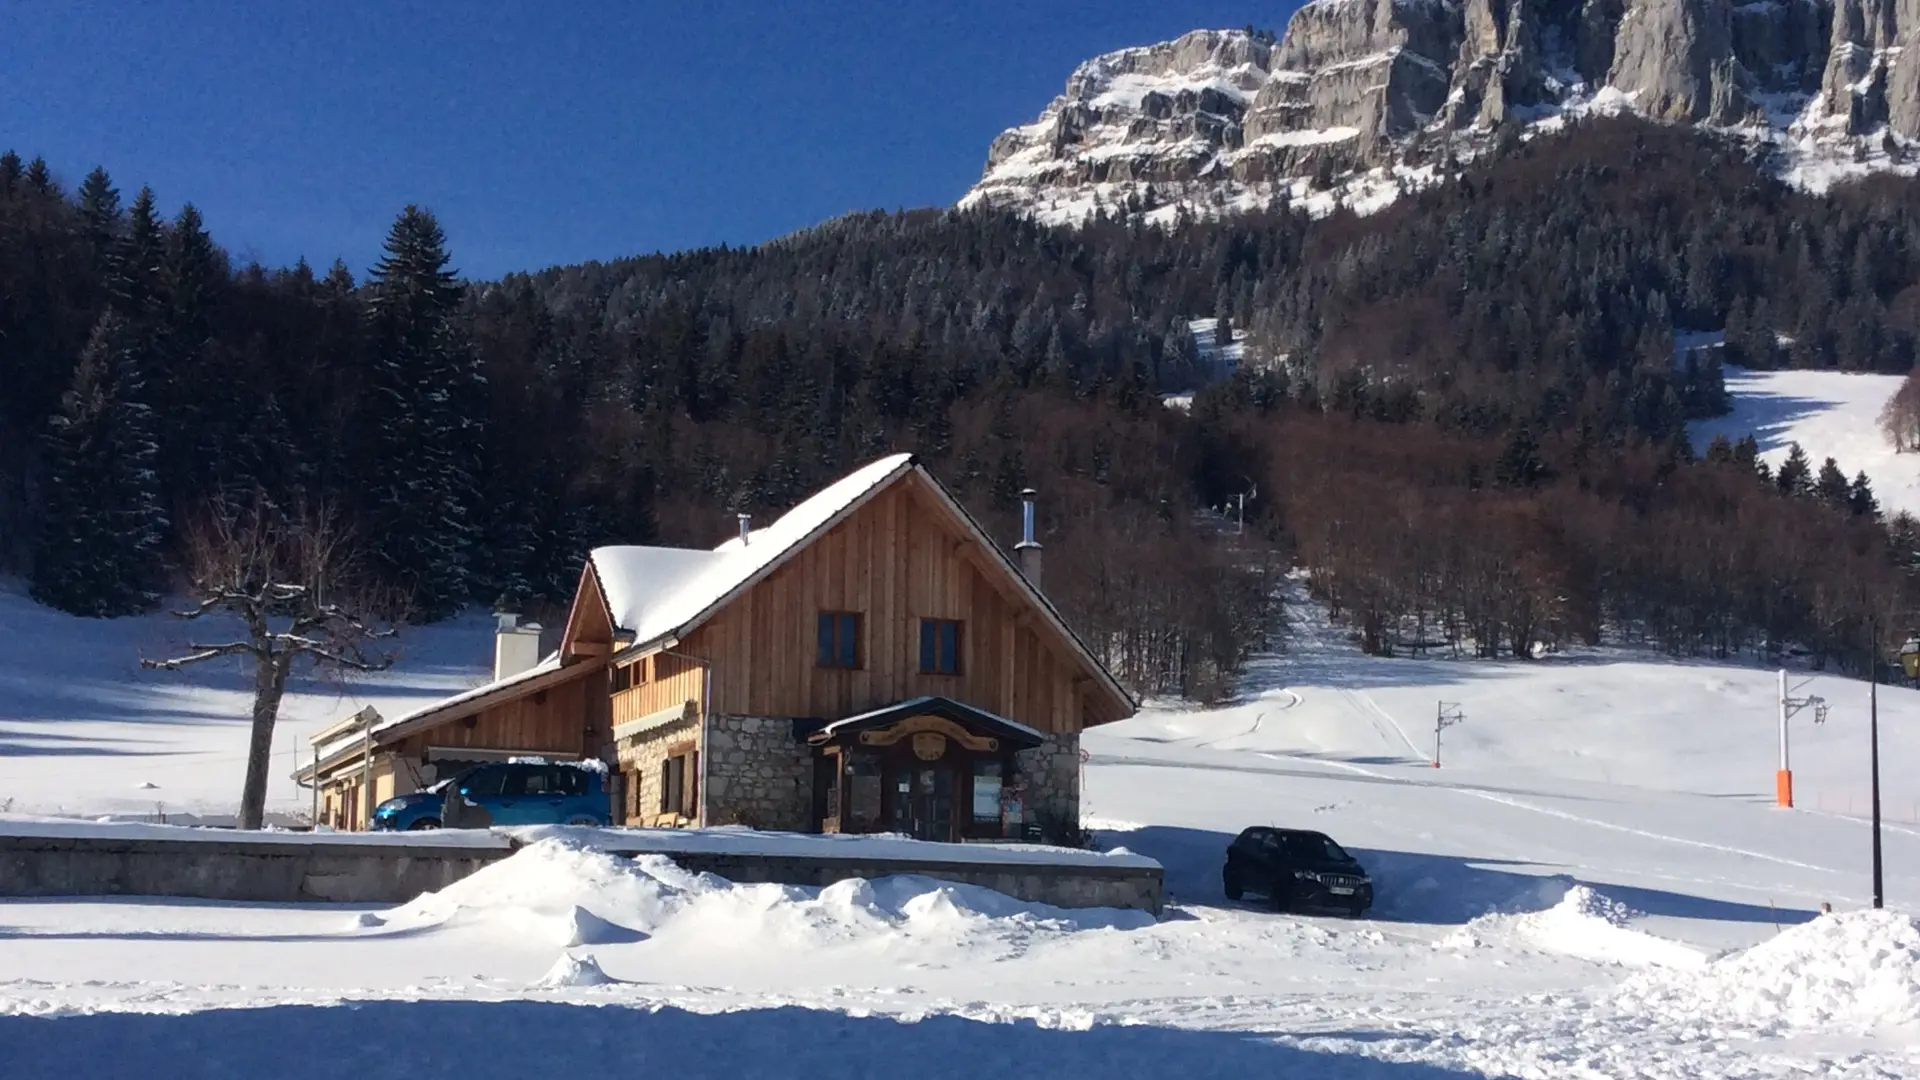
[1356,909]
[582,819]
[424,824]
[1278,896]
[1232,886]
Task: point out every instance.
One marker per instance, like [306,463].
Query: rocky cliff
[1360,99]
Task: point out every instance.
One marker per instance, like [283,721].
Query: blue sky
[545,133]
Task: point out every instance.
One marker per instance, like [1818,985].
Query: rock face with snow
[1223,118]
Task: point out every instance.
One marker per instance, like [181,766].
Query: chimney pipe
[1028,549]
[746,526]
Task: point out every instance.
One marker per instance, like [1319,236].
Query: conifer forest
[1461,420]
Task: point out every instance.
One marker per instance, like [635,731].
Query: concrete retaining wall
[342,871]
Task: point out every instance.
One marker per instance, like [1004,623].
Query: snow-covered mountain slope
[1830,414]
[1551,903]
[1360,99]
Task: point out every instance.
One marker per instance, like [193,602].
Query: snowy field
[1595,884]
[85,730]
[1830,414]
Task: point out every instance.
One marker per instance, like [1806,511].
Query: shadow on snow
[1415,887]
[471,1040]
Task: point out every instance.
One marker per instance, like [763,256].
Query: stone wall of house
[758,774]
[640,759]
[1051,772]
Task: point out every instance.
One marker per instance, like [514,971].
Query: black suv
[1295,868]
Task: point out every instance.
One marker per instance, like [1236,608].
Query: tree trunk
[269,686]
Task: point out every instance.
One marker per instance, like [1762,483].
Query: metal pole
[1439,722]
[366,776]
[1783,781]
[1873,744]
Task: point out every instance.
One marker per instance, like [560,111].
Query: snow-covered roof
[657,592]
[355,737]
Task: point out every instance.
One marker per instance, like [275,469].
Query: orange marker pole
[1783,780]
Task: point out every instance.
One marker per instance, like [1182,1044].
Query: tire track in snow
[1520,804]
[1376,715]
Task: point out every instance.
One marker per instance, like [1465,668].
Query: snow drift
[1574,920]
[1855,970]
[569,893]
[572,972]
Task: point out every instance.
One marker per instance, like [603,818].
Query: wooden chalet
[871,661]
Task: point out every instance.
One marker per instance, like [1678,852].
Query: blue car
[419,810]
[525,793]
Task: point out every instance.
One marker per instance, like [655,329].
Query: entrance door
[923,799]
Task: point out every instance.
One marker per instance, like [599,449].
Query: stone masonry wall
[1052,775]
[758,774]
[640,760]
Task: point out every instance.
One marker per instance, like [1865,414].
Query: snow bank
[1582,923]
[1854,970]
[891,847]
[569,893]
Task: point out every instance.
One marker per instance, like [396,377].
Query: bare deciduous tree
[288,578]
[1900,419]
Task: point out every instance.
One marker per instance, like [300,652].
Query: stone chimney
[1028,549]
[516,647]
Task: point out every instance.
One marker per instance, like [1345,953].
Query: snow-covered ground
[85,730]
[1594,884]
[1830,414]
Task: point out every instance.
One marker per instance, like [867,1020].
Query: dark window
[528,780]
[940,646]
[986,790]
[839,640]
[863,793]
[568,780]
[680,784]
[1249,842]
[673,780]
[484,782]
[1312,847]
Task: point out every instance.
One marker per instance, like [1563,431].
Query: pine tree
[135,284]
[99,546]
[1719,451]
[420,511]
[1520,465]
[1860,500]
[204,406]
[1831,484]
[1796,475]
[40,178]
[101,220]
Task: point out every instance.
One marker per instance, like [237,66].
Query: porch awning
[660,718]
[978,721]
